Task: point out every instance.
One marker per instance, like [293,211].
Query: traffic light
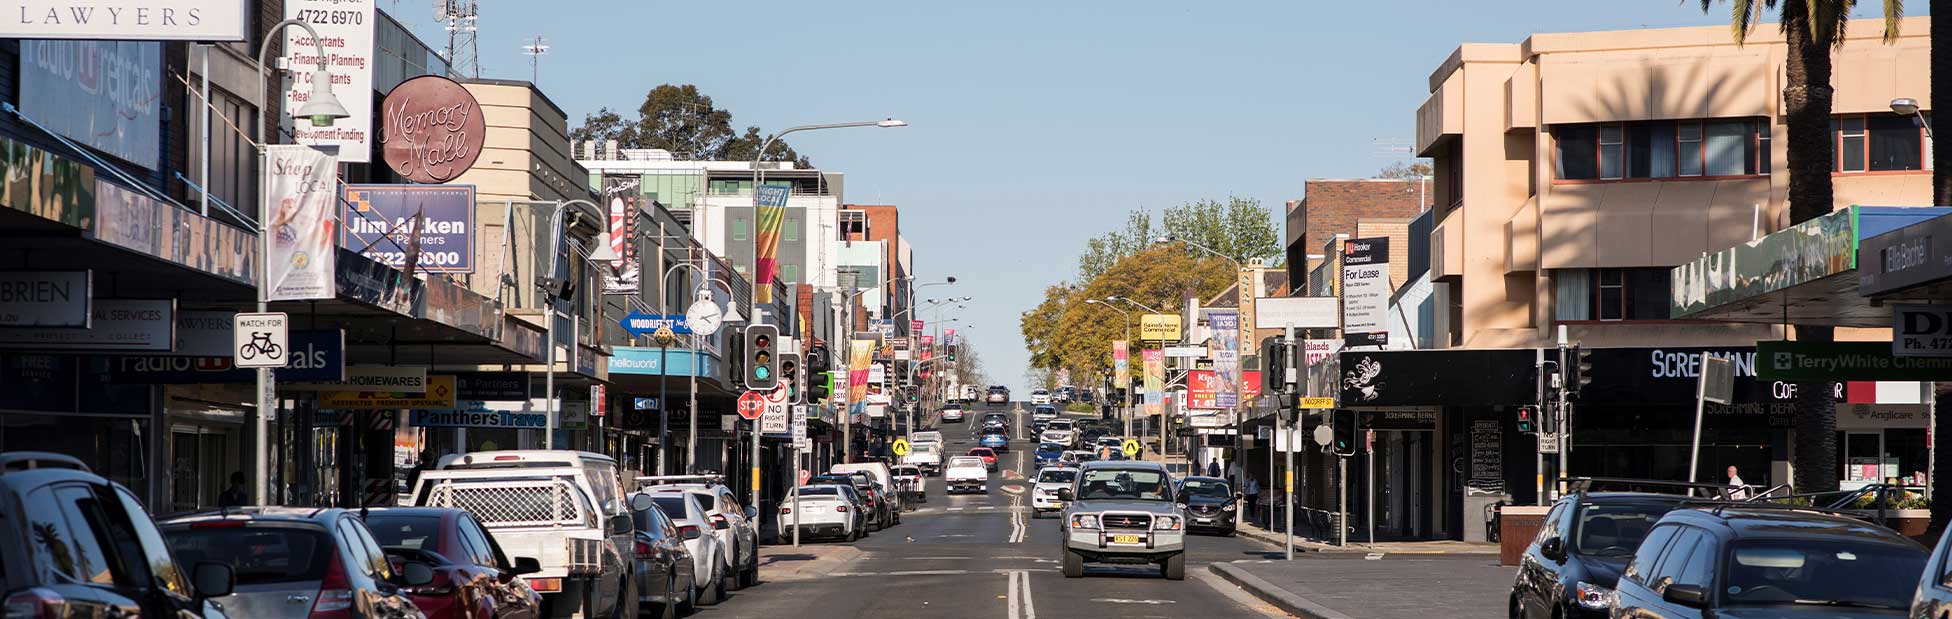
[818,368]
[1342,424]
[1274,366]
[760,356]
[789,375]
[1528,419]
[952,351]
[1579,370]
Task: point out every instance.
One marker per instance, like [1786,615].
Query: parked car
[473,578]
[667,576]
[1210,504]
[53,495]
[911,484]
[1572,566]
[824,511]
[1744,560]
[297,562]
[707,551]
[1123,513]
[965,474]
[737,526]
[987,454]
[1043,495]
[880,508]
[565,506]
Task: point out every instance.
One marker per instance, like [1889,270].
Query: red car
[988,455]
[472,578]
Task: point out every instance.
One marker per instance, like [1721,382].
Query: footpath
[1392,579]
[809,561]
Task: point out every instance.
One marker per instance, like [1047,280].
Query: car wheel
[1073,564]
[750,576]
[627,606]
[714,591]
[1174,567]
[690,603]
[732,573]
[669,608]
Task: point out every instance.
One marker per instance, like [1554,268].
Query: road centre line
[1021,604]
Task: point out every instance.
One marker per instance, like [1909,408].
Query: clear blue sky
[1036,125]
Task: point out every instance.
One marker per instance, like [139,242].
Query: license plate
[1203,520]
[1125,539]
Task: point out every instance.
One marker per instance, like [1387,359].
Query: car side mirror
[692,533]
[1553,548]
[1065,494]
[213,579]
[641,502]
[752,513]
[621,524]
[416,574]
[526,565]
[1686,595]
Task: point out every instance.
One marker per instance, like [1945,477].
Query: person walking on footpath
[1252,490]
[1737,489]
[236,495]
[1212,468]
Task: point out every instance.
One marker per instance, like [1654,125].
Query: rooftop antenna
[459,18]
[534,50]
[1398,149]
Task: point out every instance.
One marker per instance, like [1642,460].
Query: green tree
[1811,29]
[1066,332]
[1240,228]
[743,148]
[680,119]
[604,125]
[1413,170]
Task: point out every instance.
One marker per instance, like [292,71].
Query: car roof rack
[29,460]
[1584,485]
[710,479]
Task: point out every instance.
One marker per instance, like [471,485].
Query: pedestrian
[1737,489]
[1252,490]
[236,495]
[1212,468]
[1235,473]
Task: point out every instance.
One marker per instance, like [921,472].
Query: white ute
[966,473]
[564,508]
[925,455]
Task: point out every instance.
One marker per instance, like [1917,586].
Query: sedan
[473,579]
[988,456]
[666,571]
[996,441]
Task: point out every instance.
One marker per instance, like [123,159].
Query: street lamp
[1129,300]
[321,108]
[1243,298]
[546,287]
[664,365]
[759,175]
[1907,106]
[1127,316]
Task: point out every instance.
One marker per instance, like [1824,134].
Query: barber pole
[617,233]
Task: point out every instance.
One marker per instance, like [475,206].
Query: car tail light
[785,510]
[545,585]
[719,521]
[643,550]
[335,593]
[35,603]
[688,530]
[840,508]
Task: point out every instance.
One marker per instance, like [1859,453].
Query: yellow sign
[1130,447]
[1317,402]
[1159,327]
[439,396]
[901,447]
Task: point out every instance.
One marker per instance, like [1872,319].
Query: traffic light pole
[1288,474]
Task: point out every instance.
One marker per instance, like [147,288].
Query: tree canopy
[686,122]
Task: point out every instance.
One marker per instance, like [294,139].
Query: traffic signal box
[820,383]
[762,353]
[1342,425]
[789,374]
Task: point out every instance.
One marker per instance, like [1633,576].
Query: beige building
[1573,169]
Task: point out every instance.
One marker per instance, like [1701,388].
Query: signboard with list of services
[1365,292]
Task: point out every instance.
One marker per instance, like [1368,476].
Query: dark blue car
[1047,453]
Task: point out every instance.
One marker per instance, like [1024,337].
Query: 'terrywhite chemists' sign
[140,20]
[346,30]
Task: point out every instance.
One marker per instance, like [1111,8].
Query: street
[985,555]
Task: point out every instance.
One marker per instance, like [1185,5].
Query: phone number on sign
[322,16]
[429,260]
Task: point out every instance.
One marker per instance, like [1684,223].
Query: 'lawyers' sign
[136,20]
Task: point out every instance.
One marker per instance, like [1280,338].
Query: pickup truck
[1123,513]
[966,473]
[926,456]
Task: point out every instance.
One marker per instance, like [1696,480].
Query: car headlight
[1227,508]
[1592,596]
[1084,521]
[1166,523]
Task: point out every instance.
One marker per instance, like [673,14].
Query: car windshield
[1060,424]
[258,555]
[1049,448]
[416,532]
[1615,530]
[1057,476]
[982,452]
[1824,573]
[1206,487]
[1124,484]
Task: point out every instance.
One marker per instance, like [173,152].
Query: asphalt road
[976,555]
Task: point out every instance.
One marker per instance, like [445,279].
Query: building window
[1662,149]
[233,158]
[1573,299]
[739,230]
[1627,294]
[790,273]
[1879,143]
[792,229]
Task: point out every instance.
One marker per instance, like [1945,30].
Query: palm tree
[1811,29]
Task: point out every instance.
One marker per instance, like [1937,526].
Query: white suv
[1040,396]
[736,527]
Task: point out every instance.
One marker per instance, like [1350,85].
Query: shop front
[658,383]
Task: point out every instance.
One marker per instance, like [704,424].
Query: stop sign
[752,405]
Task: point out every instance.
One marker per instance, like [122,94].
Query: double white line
[1021,606]
[1019,529]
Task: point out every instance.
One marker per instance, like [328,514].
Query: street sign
[900,447]
[640,323]
[1315,402]
[260,340]
[1130,447]
[1717,379]
[645,404]
[752,405]
[804,476]
[599,401]
[1324,435]
[1548,443]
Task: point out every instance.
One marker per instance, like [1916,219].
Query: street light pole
[1242,298]
[545,290]
[1127,317]
[322,107]
[664,367]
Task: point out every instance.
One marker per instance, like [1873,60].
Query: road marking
[1021,605]
[955,509]
[1126,601]
[986,507]
[1019,528]
[930,558]
[955,535]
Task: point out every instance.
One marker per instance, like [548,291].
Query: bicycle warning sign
[260,340]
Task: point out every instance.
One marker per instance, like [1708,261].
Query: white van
[876,470]
[565,508]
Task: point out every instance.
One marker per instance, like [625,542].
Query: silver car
[296,562]
[1123,513]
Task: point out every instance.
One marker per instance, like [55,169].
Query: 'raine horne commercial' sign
[136,20]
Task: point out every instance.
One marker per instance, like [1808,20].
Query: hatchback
[100,555]
[1747,561]
[473,578]
[1571,567]
[300,562]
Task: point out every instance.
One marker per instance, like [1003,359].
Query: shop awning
[1805,274]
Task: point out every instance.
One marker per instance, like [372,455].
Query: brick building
[1335,206]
